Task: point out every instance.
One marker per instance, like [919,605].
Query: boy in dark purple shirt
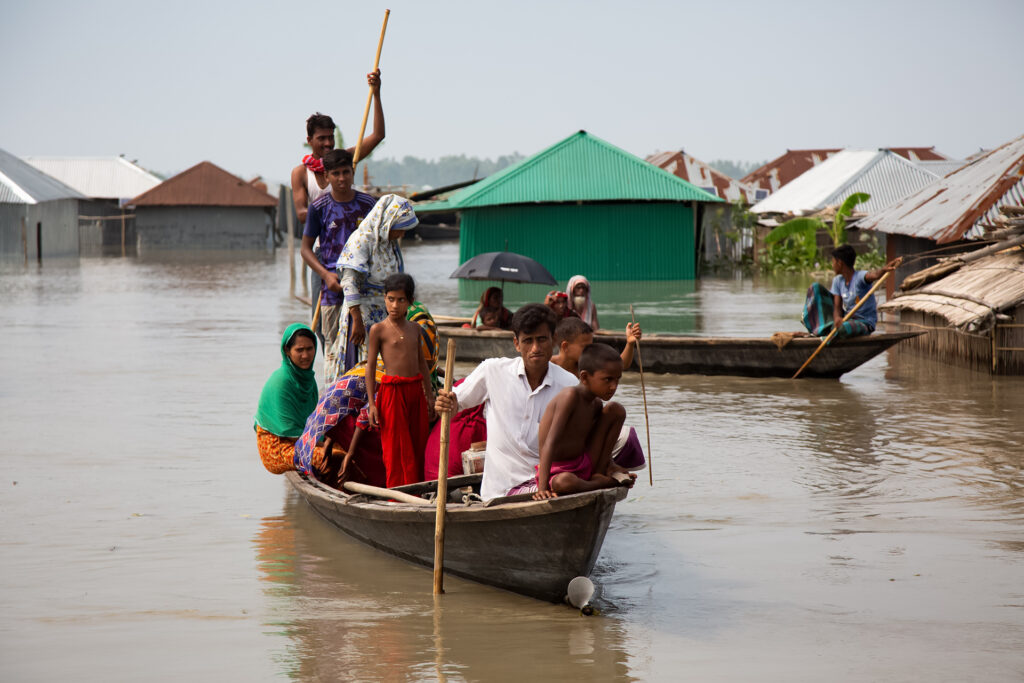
[333,217]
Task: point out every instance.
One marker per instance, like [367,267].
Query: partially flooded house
[204,207]
[107,183]
[720,239]
[974,315]
[583,206]
[38,213]
[953,213]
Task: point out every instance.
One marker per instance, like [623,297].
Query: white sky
[176,83]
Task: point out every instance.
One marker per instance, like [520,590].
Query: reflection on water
[793,526]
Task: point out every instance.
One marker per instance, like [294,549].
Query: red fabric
[467,426]
[313,164]
[402,409]
[369,466]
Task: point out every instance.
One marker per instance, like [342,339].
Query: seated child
[495,298]
[490,318]
[401,408]
[572,335]
[577,431]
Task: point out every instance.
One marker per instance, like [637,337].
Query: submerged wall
[203,227]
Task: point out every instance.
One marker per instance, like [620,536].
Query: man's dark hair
[298,334]
[400,282]
[337,158]
[531,317]
[318,121]
[569,329]
[845,254]
[596,356]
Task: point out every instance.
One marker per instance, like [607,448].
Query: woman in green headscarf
[287,399]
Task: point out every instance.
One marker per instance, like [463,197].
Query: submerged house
[957,209]
[583,206]
[204,207]
[107,183]
[38,214]
[718,234]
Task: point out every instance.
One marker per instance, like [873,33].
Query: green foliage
[838,228]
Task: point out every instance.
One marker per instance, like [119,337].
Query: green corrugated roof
[579,168]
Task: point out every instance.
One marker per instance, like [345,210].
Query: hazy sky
[176,83]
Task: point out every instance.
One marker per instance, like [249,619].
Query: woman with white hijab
[578,291]
[370,255]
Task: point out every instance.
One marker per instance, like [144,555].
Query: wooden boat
[529,547]
[678,354]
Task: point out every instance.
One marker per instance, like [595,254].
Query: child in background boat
[490,319]
[401,408]
[579,429]
[494,298]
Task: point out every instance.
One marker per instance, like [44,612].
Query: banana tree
[801,231]
[838,228]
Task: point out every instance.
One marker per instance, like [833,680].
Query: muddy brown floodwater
[860,530]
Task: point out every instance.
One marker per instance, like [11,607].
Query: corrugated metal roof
[27,185]
[579,168]
[941,167]
[883,174]
[205,184]
[794,163]
[695,171]
[98,177]
[953,207]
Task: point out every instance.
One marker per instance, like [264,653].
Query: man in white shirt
[516,392]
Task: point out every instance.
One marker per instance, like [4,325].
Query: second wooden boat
[668,353]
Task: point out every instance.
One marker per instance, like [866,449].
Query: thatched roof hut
[975,315]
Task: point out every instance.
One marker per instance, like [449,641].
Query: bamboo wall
[967,349]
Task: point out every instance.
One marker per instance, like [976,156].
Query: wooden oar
[643,391]
[835,328]
[369,99]
[442,476]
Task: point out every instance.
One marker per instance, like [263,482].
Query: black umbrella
[505,266]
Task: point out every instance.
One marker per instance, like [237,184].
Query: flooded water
[860,530]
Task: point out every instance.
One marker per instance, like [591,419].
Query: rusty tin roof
[953,207]
[796,162]
[703,176]
[205,184]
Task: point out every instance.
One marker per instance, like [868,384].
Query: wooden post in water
[123,251]
[442,476]
[290,224]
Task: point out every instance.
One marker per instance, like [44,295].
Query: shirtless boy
[401,407]
[578,430]
[572,335]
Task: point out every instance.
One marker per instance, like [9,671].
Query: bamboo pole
[835,328]
[369,99]
[643,391]
[442,476]
[123,252]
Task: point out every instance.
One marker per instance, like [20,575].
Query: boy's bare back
[399,345]
[567,423]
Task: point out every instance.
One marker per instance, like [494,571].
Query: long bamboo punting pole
[369,99]
[442,476]
[835,328]
[643,391]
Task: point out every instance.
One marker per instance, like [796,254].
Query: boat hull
[745,357]
[533,548]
